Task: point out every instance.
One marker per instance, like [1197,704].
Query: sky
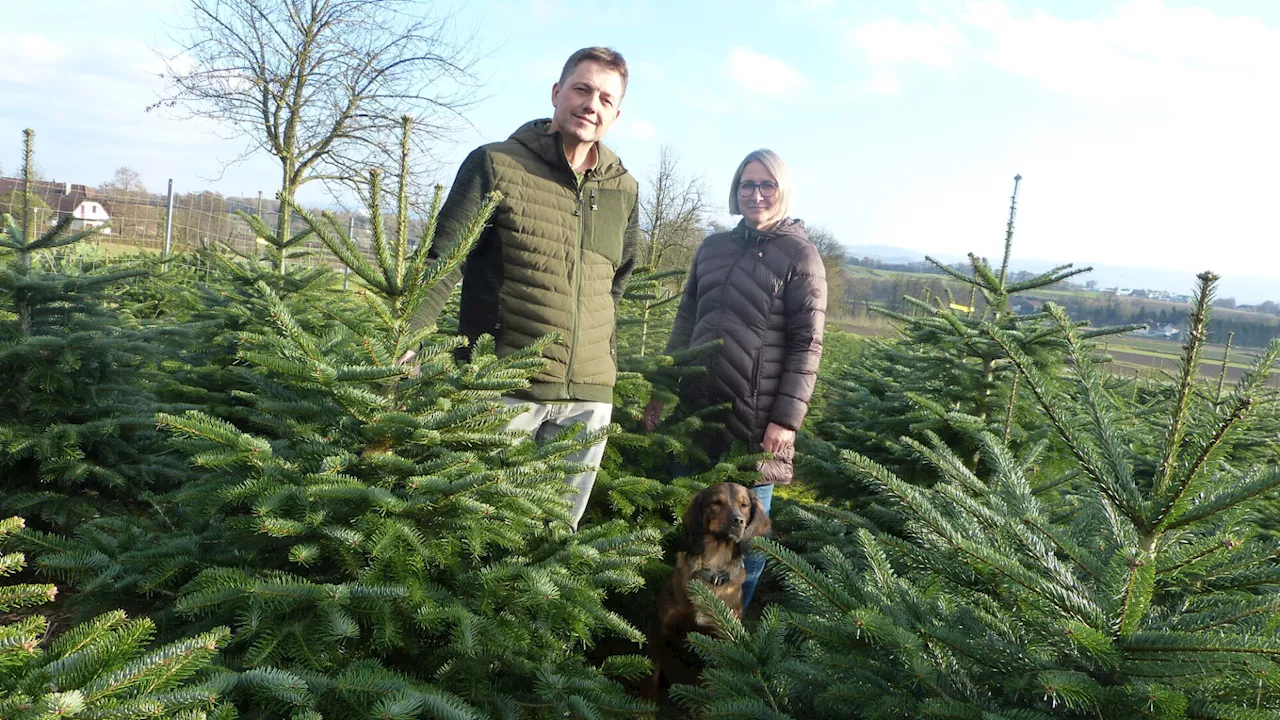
[1147,133]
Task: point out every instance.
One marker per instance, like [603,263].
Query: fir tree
[76,418]
[372,535]
[102,668]
[1146,591]
[942,374]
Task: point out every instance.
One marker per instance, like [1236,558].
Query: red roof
[63,198]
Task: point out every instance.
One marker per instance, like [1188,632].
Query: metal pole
[168,222]
[351,233]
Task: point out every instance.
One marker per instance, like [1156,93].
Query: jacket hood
[549,147]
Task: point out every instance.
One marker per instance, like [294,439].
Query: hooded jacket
[554,258]
[765,295]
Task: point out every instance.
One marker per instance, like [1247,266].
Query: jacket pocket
[608,212]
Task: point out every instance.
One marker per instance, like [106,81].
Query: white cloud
[23,56]
[1184,103]
[762,74]
[1142,51]
[103,84]
[893,42]
[88,104]
[1167,137]
[888,46]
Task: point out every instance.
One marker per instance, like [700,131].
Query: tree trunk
[284,217]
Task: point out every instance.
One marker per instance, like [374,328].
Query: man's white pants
[543,421]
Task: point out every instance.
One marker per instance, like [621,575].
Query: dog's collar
[712,577]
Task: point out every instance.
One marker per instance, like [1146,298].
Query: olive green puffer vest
[554,259]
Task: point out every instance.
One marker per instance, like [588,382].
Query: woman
[762,289]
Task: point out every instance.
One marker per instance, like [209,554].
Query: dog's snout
[738,520]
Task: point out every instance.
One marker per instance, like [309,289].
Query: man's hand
[407,358]
[652,413]
[777,438]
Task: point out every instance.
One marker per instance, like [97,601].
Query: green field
[1168,350]
[1131,355]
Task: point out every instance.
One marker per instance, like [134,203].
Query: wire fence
[203,219]
[132,220]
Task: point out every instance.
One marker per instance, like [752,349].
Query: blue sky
[1146,131]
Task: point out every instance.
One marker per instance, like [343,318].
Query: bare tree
[320,84]
[829,247]
[201,219]
[125,180]
[672,214]
[834,257]
[715,227]
[134,213]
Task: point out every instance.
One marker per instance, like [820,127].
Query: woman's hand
[652,413]
[777,438]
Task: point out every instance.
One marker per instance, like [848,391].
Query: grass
[1132,355]
[1241,357]
[864,326]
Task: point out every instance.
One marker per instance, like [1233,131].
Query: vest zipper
[577,288]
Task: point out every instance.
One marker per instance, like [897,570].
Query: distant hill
[1245,289]
[885,253]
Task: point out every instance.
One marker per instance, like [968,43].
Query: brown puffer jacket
[765,295]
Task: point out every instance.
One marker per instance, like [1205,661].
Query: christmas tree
[1140,588]
[77,436]
[102,668]
[942,374]
[369,531]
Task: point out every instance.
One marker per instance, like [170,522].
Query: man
[556,254]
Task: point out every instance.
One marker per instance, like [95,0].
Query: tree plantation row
[228,498]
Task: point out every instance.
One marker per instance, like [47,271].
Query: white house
[61,199]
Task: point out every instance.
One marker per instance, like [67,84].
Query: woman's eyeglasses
[767,189]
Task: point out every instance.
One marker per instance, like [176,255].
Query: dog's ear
[693,528]
[759,523]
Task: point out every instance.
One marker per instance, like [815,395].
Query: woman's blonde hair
[781,175]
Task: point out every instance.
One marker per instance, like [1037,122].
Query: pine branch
[1197,333]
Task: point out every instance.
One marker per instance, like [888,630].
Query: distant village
[1164,295]
[1268,307]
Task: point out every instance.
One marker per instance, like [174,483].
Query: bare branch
[672,214]
[321,84]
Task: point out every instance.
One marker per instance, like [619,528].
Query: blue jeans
[754,562]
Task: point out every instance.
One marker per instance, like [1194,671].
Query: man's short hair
[607,57]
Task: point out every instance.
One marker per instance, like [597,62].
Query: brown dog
[718,524]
